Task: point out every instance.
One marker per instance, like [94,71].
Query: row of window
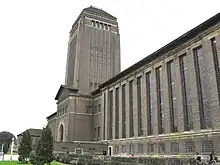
[62,111]
[171,71]
[101,25]
[160,148]
[97,134]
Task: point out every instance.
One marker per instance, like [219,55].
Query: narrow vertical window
[131,108]
[149,108]
[123,112]
[159,101]
[188,123]
[95,133]
[117,113]
[104,114]
[110,113]
[98,133]
[216,65]
[197,52]
[140,130]
[170,78]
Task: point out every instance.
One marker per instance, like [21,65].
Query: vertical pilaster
[154,103]
[178,106]
[135,114]
[165,96]
[193,97]
[113,115]
[107,116]
[103,110]
[127,110]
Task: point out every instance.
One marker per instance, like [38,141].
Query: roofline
[53,114]
[67,87]
[84,12]
[173,44]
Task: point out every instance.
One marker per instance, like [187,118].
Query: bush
[33,157]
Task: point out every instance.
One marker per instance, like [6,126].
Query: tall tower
[93,50]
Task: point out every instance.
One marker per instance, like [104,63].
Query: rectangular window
[95,133]
[104,114]
[140,148]
[207,146]
[97,24]
[102,25]
[123,113]
[150,148]
[149,108]
[99,108]
[117,113]
[161,148]
[188,123]
[197,52]
[170,78]
[190,147]
[96,109]
[131,108]
[123,149]
[110,114]
[174,147]
[140,130]
[116,150]
[216,65]
[98,133]
[93,23]
[159,101]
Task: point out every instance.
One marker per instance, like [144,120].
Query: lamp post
[12,146]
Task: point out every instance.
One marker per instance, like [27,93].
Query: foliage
[6,139]
[25,147]
[45,147]
[32,157]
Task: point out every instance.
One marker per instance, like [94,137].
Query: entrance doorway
[110,150]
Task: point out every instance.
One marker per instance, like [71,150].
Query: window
[96,109]
[174,147]
[140,130]
[99,108]
[98,133]
[131,108]
[123,113]
[140,148]
[117,113]
[95,133]
[102,25]
[150,148]
[149,108]
[93,23]
[159,102]
[161,148]
[188,123]
[170,78]
[97,24]
[197,54]
[123,149]
[216,65]
[110,113]
[207,146]
[189,146]
[104,116]
[106,26]
[116,150]
[66,109]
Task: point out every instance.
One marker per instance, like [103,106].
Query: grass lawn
[17,163]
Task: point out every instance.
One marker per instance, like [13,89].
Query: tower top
[100,12]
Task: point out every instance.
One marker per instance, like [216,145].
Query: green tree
[25,147]
[45,147]
[6,139]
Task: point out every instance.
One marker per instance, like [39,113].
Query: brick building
[167,103]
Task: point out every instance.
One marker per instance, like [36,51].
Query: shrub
[32,157]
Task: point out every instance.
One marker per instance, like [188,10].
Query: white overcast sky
[34,37]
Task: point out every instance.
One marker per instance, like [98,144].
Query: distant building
[166,104]
[35,137]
